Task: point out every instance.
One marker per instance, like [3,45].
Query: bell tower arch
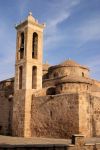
[28,72]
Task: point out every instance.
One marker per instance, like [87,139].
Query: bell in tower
[22,46]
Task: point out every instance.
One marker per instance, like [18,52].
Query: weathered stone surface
[55,116]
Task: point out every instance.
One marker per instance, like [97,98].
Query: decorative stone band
[73,79]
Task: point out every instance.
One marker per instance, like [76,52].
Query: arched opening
[55,75]
[82,74]
[22,46]
[51,91]
[34,45]
[34,77]
[20,76]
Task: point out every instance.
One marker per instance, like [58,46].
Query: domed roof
[69,63]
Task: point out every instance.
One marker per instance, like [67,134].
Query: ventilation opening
[34,77]
[0,127]
[35,45]
[22,46]
[9,99]
[20,76]
[51,114]
[82,74]
[51,91]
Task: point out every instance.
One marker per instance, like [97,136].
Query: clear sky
[73,31]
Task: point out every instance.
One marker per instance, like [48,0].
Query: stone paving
[29,141]
[7,140]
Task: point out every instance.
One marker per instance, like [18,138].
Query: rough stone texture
[5,115]
[65,114]
[85,126]
[55,116]
[95,113]
[18,113]
[6,104]
[73,88]
[89,112]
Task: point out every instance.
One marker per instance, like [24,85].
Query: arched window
[34,45]
[34,77]
[20,76]
[51,91]
[22,46]
[82,74]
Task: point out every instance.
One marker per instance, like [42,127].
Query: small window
[34,77]
[34,45]
[9,99]
[20,76]
[51,114]
[82,74]
[0,127]
[61,87]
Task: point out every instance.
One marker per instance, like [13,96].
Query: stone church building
[43,100]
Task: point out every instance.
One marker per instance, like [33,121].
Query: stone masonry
[44,100]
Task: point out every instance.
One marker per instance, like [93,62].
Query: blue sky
[72,31]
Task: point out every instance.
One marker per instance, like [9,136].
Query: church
[44,100]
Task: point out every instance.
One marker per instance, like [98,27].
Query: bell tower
[28,72]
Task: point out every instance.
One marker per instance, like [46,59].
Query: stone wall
[18,113]
[6,107]
[95,82]
[95,114]
[55,116]
[85,126]
[64,114]
[89,115]
[73,88]
[5,114]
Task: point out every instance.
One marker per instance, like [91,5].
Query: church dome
[68,67]
[69,62]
